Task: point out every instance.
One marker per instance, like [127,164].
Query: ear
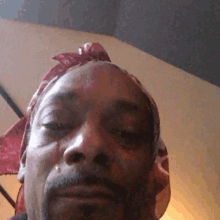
[21,172]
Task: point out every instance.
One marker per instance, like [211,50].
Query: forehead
[95,81]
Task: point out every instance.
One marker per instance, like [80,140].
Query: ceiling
[182,33]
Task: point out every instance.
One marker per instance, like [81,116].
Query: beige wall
[188,106]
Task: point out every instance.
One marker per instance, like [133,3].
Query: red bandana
[13,142]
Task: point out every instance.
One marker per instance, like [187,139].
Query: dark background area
[184,33]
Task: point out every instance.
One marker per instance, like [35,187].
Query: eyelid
[54,125]
[126,132]
[51,123]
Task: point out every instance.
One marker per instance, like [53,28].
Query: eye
[58,127]
[129,137]
[54,126]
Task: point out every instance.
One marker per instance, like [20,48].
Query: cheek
[40,162]
[42,157]
[131,167]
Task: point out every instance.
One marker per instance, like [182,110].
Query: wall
[185,33]
[188,109]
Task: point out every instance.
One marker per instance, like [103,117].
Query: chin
[83,209]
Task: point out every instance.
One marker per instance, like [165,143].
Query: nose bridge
[90,145]
[92,134]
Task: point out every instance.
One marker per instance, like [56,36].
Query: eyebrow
[118,106]
[62,96]
[122,104]
[113,114]
[125,105]
[65,95]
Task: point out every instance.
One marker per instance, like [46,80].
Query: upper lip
[82,191]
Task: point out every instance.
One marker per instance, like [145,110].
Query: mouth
[92,193]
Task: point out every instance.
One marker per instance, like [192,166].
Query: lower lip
[78,203]
[83,194]
[86,198]
[83,197]
[71,201]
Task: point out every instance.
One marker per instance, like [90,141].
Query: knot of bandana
[13,142]
[89,52]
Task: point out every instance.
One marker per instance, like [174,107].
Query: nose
[88,148]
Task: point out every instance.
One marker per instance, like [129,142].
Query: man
[91,144]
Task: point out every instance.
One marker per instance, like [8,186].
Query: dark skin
[93,125]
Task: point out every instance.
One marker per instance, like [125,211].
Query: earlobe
[22,168]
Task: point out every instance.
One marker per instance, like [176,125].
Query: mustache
[86,179]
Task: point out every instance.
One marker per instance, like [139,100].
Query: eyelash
[128,136]
[58,127]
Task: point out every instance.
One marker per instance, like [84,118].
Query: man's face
[88,156]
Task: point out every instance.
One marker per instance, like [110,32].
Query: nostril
[76,157]
[102,159]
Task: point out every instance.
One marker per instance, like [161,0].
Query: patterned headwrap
[13,142]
